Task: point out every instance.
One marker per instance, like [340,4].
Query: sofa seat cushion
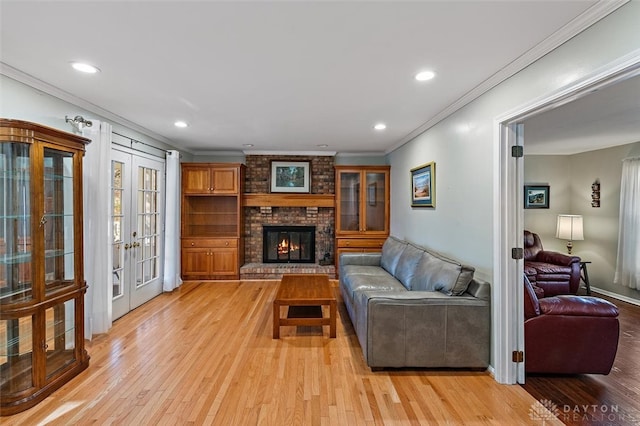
[435,272]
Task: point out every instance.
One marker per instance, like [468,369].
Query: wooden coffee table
[304,290]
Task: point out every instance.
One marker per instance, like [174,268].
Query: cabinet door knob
[193,244]
[226,243]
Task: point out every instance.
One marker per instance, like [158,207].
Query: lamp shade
[570,227]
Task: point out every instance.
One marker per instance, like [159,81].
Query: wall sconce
[78,122]
[569,228]
[595,194]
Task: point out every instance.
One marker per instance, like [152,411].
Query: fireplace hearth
[289,244]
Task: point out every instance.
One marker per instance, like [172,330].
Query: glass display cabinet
[362,208]
[42,285]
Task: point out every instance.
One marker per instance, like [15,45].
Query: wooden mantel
[289,200]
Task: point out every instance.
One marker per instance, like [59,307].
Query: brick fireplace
[322,218]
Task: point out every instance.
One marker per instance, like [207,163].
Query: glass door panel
[15,223]
[349,201]
[117,226]
[60,332]
[16,355]
[58,220]
[375,201]
[147,211]
[147,266]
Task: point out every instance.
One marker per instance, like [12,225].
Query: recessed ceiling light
[180,124]
[425,75]
[322,145]
[247,145]
[380,126]
[86,68]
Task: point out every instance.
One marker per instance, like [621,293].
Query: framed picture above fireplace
[290,176]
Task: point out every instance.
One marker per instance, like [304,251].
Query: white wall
[22,102]
[555,171]
[462,145]
[570,178]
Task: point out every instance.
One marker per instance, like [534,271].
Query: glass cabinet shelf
[15,217]
[16,258]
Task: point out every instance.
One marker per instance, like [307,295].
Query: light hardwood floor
[204,354]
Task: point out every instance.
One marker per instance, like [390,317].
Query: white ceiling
[279,75]
[604,118]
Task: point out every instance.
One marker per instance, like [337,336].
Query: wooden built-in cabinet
[205,178]
[362,206]
[42,283]
[212,221]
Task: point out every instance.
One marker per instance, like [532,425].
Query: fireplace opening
[289,244]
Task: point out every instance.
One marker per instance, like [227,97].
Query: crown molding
[362,154]
[285,153]
[221,153]
[567,32]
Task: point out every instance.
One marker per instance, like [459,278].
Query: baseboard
[617,296]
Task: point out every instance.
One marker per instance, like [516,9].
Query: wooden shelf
[288,200]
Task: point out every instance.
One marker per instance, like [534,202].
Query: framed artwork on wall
[290,176]
[423,185]
[536,196]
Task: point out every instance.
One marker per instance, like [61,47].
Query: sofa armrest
[364,259]
[361,259]
[556,258]
[577,306]
[479,289]
[424,329]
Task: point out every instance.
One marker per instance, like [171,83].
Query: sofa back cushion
[391,251]
[532,245]
[406,268]
[435,272]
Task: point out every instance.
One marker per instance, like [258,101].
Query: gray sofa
[412,307]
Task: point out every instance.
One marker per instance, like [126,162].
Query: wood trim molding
[288,200]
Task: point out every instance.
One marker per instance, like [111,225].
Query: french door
[137,200]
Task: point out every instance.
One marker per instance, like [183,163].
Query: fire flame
[284,247]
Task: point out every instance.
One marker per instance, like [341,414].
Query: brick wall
[259,169]
[257,181]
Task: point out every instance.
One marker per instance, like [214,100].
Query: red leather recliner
[554,272]
[569,334]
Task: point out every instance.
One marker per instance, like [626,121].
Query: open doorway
[509,217]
